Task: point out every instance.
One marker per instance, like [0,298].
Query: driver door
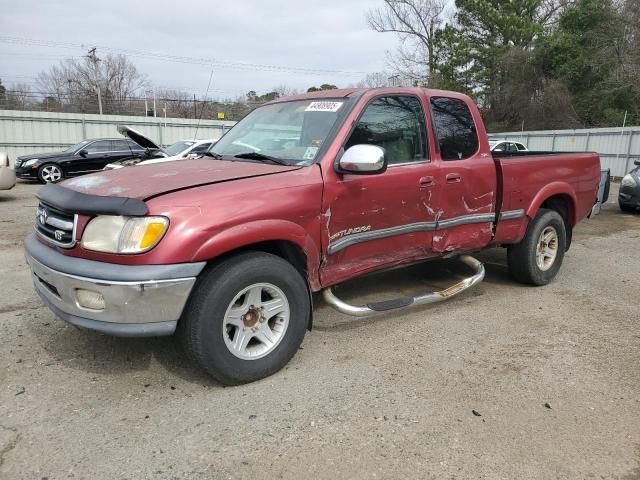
[371,221]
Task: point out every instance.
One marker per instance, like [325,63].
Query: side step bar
[404,302]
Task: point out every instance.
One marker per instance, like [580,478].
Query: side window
[119,146]
[499,147]
[200,149]
[455,129]
[520,147]
[512,148]
[133,145]
[395,124]
[99,146]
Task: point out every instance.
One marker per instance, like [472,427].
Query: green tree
[592,53]
[324,86]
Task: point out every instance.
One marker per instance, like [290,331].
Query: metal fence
[23,132]
[618,147]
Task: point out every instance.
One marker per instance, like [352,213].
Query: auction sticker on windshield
[323,107]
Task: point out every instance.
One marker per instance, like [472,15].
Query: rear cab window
[455,128]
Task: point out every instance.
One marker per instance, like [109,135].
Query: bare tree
[375,80]
[416,22]
[284,91]
[78,80]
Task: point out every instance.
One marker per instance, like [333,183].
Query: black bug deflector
[83,203]
[405,302]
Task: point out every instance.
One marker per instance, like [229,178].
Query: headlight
[628,181]
[114,234]
[30,162]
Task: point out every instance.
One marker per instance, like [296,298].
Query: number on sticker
[323,107]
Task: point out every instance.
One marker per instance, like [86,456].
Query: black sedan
[629,196]
[85,157]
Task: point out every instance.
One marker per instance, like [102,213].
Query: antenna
[195,135]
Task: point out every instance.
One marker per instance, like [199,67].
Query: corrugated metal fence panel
[23,132]
[618,148]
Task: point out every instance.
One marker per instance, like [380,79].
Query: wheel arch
[558,196]
[284,239]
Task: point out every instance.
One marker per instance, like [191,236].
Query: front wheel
[246,317]
[49,173]
[538,257]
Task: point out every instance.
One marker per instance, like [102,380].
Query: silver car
[7,175]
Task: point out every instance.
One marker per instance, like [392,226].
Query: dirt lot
[386,397]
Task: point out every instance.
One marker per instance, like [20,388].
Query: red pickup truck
[304,193]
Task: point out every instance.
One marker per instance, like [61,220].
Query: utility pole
[91,55]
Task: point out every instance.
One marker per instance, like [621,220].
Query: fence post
[628,159]
[84,129]
[553,142]
[586,146]
[160,133]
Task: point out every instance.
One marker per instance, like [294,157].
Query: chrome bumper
[138,300]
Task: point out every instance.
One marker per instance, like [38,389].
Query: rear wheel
[538,257]
[49,173]
[246,318]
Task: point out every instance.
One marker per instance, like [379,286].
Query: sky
[316,42]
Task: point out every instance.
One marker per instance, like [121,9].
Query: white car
[7,175]
[180,150]
[507,146]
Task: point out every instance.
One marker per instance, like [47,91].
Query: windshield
[76,147]
[178,147]
[291,132]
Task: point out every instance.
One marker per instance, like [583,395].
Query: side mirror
[363,160]
[637,162]
[83,153]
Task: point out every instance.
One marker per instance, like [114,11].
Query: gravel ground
[552,373]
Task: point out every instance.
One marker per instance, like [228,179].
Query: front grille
[55,225]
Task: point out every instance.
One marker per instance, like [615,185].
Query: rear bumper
[139,301]
[7,178]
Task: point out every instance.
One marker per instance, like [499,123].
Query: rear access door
[467,176]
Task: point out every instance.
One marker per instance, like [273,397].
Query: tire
[525,263]
[210,323]
[50,173]
[627,208]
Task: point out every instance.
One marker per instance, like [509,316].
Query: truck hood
[146,181]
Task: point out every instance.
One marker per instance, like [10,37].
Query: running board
[404,302]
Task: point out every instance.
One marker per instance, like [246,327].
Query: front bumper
[26,173]
[139,300]
[629,196]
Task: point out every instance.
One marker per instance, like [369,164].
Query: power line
[182,59]
[41,94]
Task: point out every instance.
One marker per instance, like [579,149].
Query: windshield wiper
[262,157]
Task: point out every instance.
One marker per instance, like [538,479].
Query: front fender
[548,191]
[258,231]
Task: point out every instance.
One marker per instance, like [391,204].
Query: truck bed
[527,179]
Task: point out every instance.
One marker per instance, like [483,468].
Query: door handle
[427,182]
[453,178]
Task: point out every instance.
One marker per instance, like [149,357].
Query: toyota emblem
[42,216]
